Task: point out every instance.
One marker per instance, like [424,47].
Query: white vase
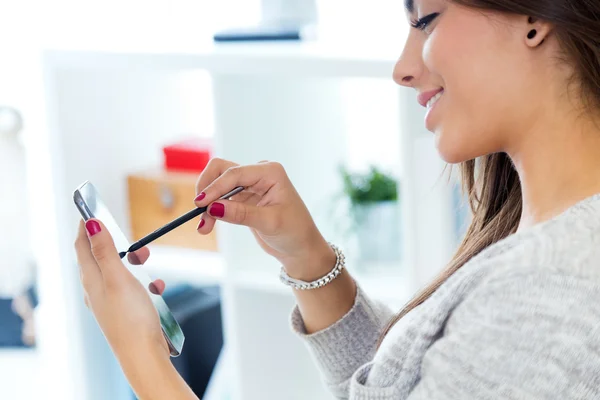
[297,12]
[16,270]
[378,233]
[373,24]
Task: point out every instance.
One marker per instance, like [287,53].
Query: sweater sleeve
[342,348]
[531,333]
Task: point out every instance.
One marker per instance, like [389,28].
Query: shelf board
[180,265]
[21,373]
[390,288]
[306,58]
[185,265]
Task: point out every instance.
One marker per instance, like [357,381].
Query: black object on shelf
[11,324]
[198,311]
[259,33]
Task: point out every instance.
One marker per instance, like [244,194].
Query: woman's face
[481,68]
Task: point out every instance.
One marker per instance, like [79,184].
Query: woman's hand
[284,228]
[117,299]
[126,315]
[272,208]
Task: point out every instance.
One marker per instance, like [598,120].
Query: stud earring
[531,34]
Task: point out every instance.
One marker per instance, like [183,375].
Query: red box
[188,155]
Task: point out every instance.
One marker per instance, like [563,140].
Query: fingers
[246,197]
[215,168]
[261,218]
[139,257]
[207,223]
[90,275]
[157,287]
[256,178]
[220,177]
[103,249]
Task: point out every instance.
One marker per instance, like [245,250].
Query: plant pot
[378,232]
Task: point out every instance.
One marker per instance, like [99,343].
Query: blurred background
[136,96]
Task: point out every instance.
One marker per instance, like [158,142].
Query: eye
[423,23]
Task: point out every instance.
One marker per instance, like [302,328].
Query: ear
[536,31]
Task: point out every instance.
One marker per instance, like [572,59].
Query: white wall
[29,25]
[92,22]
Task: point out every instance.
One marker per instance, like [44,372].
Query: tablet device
[90,205]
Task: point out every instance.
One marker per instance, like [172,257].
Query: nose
[403,78]
[409,67]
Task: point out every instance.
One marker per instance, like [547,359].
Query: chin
[450,148]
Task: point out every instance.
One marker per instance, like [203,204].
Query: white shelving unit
[314,59]
[20,371]
[195,267]
[109,111]
[177,265]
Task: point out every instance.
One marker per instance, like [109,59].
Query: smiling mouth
[434,99]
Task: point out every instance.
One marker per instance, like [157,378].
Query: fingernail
[201,224]
[152,287]
[93,227]
[200,196]
[133,258]
[217,210]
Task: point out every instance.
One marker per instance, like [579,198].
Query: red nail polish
[200,196]
[201,224]
[93,227]
[153,289]
[133,259]
[217,210]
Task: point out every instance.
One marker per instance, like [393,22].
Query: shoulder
[526,321]
[549,281]
[526,333]
[564,249]
[517,296]
[523,332]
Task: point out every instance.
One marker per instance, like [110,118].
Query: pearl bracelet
[302,285]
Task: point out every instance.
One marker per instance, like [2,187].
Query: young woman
[512,89]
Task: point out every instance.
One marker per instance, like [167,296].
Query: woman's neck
[558,163]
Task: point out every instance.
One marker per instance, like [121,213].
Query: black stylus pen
[174,224]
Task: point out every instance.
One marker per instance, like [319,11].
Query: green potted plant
[374,211]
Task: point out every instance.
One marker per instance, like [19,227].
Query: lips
[424,97]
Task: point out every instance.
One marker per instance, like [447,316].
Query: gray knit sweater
[521,320]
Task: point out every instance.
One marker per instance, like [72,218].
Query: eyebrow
[409,5]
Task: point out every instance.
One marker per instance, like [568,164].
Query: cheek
[470,125]
[469,120]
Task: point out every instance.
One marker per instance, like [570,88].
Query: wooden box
[158,197]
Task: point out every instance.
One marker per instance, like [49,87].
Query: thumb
[102,245]
[260,218]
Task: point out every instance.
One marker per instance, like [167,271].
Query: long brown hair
[491,182]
